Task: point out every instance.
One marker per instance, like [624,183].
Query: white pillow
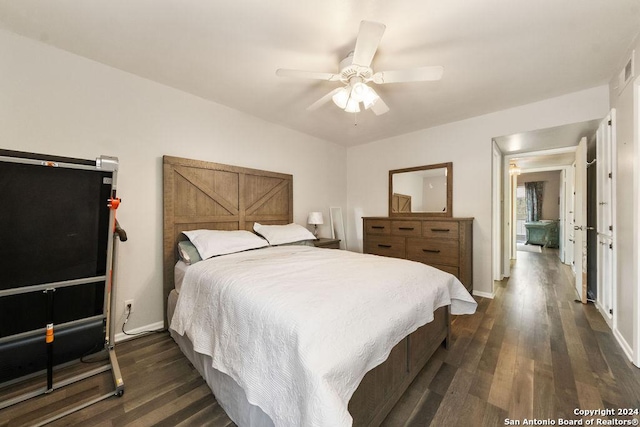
[220,242]
[281,234]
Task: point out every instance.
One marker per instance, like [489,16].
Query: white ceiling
[496,53]
[546,162]
[546,148]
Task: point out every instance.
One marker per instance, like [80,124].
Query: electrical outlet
[128,306]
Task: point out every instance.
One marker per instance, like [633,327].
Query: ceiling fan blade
[379,107]
[282,72]
[323,100]
[367,43]
[421,74]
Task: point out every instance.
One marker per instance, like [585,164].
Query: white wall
[468,145]
[627,225]
[57,103]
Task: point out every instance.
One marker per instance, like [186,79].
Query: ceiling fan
[355,72]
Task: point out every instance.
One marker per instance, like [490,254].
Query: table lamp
[315,218]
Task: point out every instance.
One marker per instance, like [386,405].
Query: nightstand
[323,242]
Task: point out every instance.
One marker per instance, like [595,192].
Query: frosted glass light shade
[359,91]
[353,106]
[369,98]
[341,98]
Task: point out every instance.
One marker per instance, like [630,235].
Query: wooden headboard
[205,195]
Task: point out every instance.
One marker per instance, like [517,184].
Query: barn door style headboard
[205,195]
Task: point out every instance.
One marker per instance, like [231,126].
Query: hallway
[532,352]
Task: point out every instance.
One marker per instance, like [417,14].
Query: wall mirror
[337,226]
[421,191]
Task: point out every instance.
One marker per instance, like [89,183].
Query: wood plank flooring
[532,352]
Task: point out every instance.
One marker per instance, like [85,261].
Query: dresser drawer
[447,268]
[440,229]
[377,226]
[386,245]
[406,228]
[431,252]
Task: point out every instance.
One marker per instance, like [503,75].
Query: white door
[580,226]
[570,217]
[604,190]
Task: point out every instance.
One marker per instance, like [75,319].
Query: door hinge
[610,311]
[611,228]
[610,245]
[609,122]
[610,176]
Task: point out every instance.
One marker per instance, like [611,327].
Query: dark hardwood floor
[530,353]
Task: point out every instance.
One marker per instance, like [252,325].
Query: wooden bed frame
[205,195]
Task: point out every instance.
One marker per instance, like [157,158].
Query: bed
[303,375]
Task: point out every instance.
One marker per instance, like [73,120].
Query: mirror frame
[447,214]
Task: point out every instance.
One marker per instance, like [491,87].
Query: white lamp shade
[315,218]
[341,98]
[353,106]
[358,91]
[369,98]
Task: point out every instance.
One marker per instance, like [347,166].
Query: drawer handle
[406,228]
[383,246]
[442,230]
[378,227]
[433,251]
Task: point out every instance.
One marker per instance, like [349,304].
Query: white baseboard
[623,344]
[626,348]
[489,295]
[158,326]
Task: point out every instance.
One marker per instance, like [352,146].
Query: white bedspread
[298,327]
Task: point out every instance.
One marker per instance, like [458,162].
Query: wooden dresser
[444,243]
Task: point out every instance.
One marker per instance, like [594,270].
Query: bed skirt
[228,393]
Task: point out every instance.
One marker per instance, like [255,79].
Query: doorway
[544,150]
[540,189]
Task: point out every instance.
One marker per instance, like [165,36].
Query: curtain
[533,195]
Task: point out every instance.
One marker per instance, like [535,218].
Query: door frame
[636,224]
[496,215]
[508,230]
[580,215]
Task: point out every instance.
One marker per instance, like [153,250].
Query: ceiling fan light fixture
[342,97]
[370,97]
[359,89]
[355,72]
[353,106]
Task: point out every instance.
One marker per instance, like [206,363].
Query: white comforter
[298,327]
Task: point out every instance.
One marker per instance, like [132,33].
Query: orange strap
[49,334]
